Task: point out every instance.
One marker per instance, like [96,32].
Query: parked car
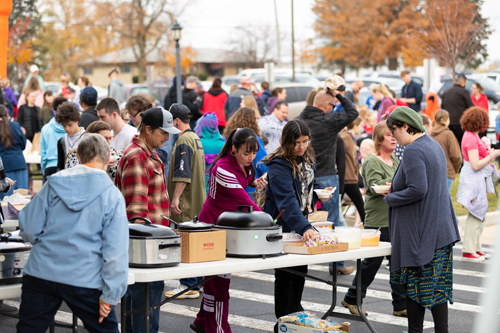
[296,94]
[137,88]
[491,88]
[494,75]
[279,80]
[254,72]
[228,81]
[394,75]
[393,84]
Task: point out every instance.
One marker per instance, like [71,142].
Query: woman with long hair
[47,111]
[382,95]
[422,223]
[28,115]
[246,117]
[291,184]
[378,168]
[231,172]
[33,85]
[279,95]
[445,137]
[213,101]
[12,144]
[250,102]
[472,187]
[479,99]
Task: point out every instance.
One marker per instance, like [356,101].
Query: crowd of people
[209,154]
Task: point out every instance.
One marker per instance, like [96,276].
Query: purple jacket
[11,96]
[271,102]
[386,102]
[226,189]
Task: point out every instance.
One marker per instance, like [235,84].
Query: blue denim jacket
[78,227]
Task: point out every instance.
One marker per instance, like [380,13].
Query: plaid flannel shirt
[141,179]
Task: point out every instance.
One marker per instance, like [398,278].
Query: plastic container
[370,237]
[347,235]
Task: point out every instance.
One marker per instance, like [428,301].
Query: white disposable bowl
[381,189]
[322,194]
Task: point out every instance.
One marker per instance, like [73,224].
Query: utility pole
[293,49]
[277,34]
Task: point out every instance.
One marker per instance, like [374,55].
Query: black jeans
[369,268]
[40,300]
[457,130]
[48,172]
[288,289]
[352,190]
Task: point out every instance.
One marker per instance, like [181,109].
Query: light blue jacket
[51,133]
[78,227]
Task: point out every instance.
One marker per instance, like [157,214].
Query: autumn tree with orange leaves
[363,33]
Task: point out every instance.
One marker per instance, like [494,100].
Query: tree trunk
[393,64]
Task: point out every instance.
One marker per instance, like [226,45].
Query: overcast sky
[209,23]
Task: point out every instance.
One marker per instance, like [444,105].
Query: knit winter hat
[409,117]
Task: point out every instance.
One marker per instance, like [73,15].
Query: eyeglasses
[132,115]
[392,130]
[333,105]
[304,144]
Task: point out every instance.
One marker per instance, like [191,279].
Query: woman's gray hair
[93,145]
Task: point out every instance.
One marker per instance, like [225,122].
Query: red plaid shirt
[141,179]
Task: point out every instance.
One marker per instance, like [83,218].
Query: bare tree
[143,25]
[255,44]
[455,30]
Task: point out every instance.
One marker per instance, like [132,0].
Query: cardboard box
[11,212]
[299,249]
[203,246]
[291,328]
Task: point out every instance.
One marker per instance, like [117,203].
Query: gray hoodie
[118,91]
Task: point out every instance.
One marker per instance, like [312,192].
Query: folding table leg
[334,293]
[52,327]
[123,308]
[147,308]
[75,323]
[358,297]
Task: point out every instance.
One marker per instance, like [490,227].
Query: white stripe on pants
[472,235]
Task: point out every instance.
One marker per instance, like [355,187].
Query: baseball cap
[34,68]
[334,82]
[388,111]
[159,117]
[246,80]
[180,111]
[88,95]
[113,70]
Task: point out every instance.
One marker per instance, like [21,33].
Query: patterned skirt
[434,284]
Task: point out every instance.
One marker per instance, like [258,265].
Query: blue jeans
[191,282]
[21,176]
[135,301]
[40,300]
[450,182]
[332,205]
[341,216]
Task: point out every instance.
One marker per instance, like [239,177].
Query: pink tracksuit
[226,192]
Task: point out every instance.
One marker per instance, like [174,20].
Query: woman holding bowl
[291,188]
[422,223]
[378,169]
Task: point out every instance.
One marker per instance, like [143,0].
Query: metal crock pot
[250,234]
[189,226]
[152,245]
[14,253]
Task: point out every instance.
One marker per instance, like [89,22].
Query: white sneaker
[190,294]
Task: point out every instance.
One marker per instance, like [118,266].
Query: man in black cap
[116,88]
[88,101]
[141,179]
[186,181]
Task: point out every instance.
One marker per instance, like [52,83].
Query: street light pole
[176,33]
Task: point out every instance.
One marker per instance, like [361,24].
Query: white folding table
[237,265]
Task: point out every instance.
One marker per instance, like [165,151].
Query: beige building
[212,62]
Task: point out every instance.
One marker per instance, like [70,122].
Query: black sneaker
[7,309]
[196,328]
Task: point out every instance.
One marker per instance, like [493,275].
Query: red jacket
[482,102]
[213,101]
